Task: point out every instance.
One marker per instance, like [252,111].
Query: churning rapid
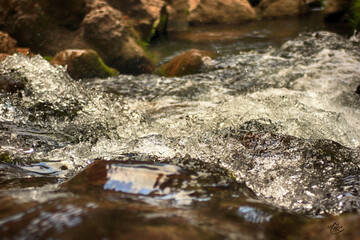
[284,123]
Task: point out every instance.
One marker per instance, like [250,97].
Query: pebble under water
[258,146]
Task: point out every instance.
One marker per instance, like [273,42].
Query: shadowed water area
[264,144]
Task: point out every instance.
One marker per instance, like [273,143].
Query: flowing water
[254,147]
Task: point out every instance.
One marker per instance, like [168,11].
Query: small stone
[189,62]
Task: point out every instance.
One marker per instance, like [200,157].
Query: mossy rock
[186,63]
[83,63]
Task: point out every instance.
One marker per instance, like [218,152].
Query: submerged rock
[83,63]
[186,63]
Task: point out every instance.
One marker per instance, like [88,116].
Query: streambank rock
[146,16]
[283,8]
[83,63]
[7,43]
[336,10]
[47,27]
[189,62]
[226,12]
[105,28]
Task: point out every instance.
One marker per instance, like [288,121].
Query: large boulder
[146,16]
[224,12]
[47,27]
[189,62]
[283,8]
[83,63]
[7,43]
[336,10]
[44,26]
[104,28]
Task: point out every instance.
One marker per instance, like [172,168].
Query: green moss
[108,70]
[90,65]
[354,19]
[47,58]
[4,157]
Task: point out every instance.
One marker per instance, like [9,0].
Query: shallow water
[255,147]
[233,39]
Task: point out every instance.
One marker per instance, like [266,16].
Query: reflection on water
[232,39]
[139,178]
[253,214]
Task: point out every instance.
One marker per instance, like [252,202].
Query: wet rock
[189,62]
[7,44]
[129,199]
[283,8]
[96,218]
[49,27]
[16,177]
[41,25]
[336,10]
[225,12]
[132,178]
[83,63]
[147,17]
[105,26]
[10,85]
[309,176]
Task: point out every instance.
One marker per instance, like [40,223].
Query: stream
[261,143]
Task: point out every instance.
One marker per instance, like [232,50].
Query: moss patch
[354,19]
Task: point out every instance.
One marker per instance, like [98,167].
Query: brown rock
[189,62]
[25,52]
[336,10]
[226,11]
[144,15]
[3,56]
[104,27]
[47,27]
[43,26]
[7,43]
[283,8]
[83,63]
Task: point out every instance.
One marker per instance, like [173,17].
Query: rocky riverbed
[261,145]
